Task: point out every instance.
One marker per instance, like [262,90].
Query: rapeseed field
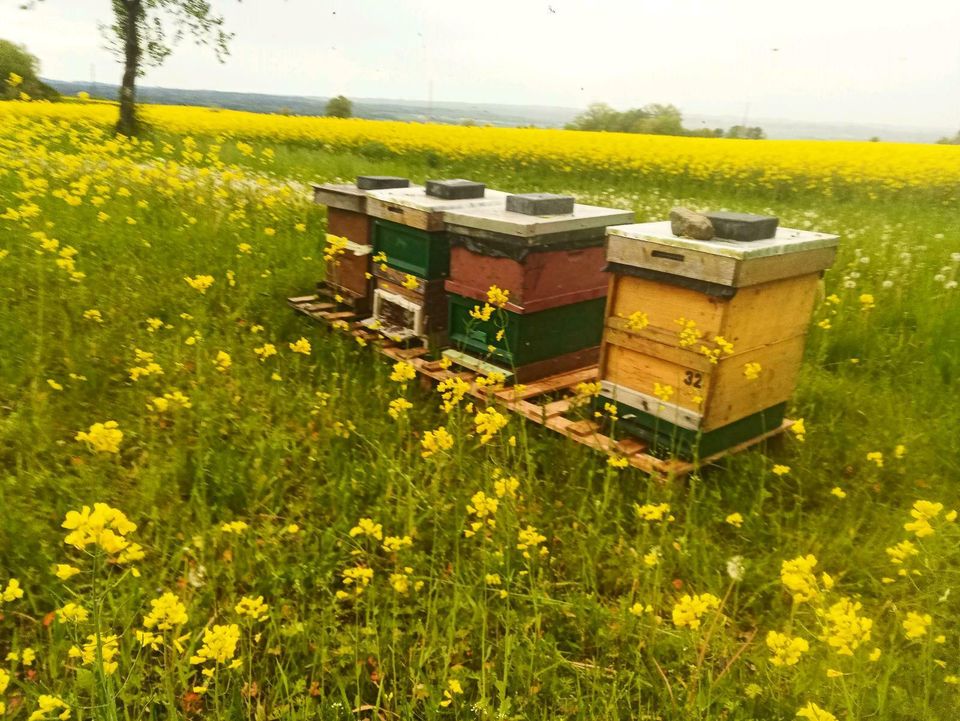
[212,508]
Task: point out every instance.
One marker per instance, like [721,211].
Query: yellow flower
[453,689]
[399,407]
[65,571]
[618,462]
[108,649]
[219,644]
[799,429]
[236,527]
[663,392]
[780,470]
[482,314]
[223,361]
[93,314]
[838,492]
[812,712]
[825,324]
[393,544]
[102,437]
[367,527]
[876,457]
[735,519]
[867,301]
[244,248]
[690,609]
[255,608]
[653,511]
[410,282]
[49,707]
[637,321]
[530,538]
[900,451]
[301,346]
[200,283]
[269,232]
[73,613]
[923,512]
[498,297]
[14,80]
[358,578]
[12,591]
[488,423]
[901,552]
[915,625]
[787,650]
[403,372]
[797,576]
[265,351]
[752,370]
[166,612]
[844,628]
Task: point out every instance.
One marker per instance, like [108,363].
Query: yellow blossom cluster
[690,609]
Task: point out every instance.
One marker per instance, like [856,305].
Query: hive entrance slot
[667,256]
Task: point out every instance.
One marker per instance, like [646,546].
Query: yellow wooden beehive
[703,340]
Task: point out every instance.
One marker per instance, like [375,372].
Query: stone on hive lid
[379,182]
[687,224]
[743,226]
[455,189]
[540,204]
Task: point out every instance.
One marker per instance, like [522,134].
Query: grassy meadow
[281,536]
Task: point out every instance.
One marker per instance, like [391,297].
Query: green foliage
[654,119]
[307,440]
[16,60]
[746,133]
[339,107]
[955,140]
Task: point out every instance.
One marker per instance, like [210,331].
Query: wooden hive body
[552,267]
[712,403]
[347,275]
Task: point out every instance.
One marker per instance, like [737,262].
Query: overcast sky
[815,60]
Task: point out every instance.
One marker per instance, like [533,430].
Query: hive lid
[416,198]
[651,248]
[348,196]
[455,189]
[786,240]
[497,219]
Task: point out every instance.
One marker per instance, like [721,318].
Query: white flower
[865,259]
[939,277]
[950,284]
[955,257]
[887,284]
[850,284]
[735,568]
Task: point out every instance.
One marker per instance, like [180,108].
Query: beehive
[347,273]
[703,340]
[547,252]
[409,230]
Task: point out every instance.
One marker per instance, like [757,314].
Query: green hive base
[528,337]
[686,443]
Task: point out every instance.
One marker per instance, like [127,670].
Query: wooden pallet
[551,402]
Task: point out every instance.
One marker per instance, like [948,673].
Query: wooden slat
[552,415]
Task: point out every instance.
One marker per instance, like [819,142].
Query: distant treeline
[955,140]
[653,119]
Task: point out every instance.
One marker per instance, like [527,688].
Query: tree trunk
[130,13]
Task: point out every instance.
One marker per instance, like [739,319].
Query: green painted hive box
[690,443]
[527,337]
[424,254]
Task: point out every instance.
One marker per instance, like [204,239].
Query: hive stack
[546,251]
[409,301]
[703,340]
[348,272]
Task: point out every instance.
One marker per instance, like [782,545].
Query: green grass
[317,448]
